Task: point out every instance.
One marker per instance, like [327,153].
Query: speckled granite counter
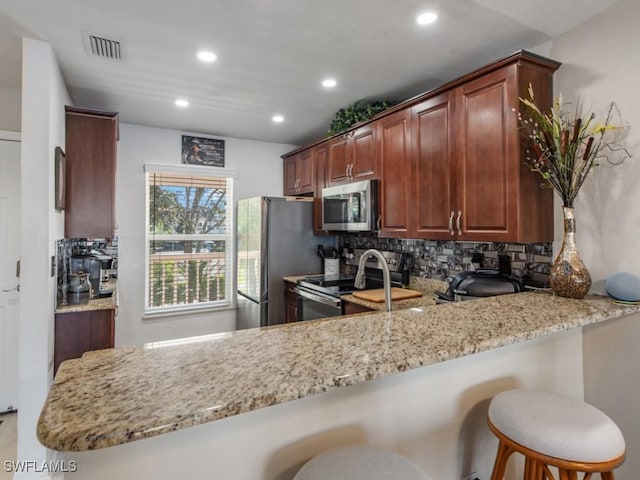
[106,303]
[112,397]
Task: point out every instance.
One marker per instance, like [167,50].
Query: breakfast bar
[471,351]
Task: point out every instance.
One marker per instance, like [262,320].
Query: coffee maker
[87,264]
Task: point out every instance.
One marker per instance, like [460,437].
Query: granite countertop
[115,396]
[106,303]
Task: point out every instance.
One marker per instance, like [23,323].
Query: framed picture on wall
[60,166]
[202,151]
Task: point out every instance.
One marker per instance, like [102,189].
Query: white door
[9,255]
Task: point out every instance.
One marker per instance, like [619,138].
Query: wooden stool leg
[529,469]
[534,470]
[607,476]
[500,465]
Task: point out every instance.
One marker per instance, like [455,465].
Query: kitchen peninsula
[434,415]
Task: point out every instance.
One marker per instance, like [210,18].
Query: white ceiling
[273,54]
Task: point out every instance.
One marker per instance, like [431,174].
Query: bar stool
[554,430]
[358,462]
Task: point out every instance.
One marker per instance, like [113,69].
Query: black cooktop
[334,285]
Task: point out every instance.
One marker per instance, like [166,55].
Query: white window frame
[230,247]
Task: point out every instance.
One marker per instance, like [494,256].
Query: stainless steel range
[319,295]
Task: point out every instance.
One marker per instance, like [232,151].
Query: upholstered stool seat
[359,462]
[554,430]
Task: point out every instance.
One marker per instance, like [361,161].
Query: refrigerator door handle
[334,302]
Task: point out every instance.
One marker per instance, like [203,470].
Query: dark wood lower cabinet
[80,332]
[349,308]
[291,302]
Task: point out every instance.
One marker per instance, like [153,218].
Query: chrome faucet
[386,277]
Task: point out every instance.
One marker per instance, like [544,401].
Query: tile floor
[8,439]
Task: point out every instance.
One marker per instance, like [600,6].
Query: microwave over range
[351,207]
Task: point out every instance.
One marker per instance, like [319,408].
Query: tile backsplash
[442,259]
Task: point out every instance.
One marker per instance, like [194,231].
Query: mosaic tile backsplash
[443,259]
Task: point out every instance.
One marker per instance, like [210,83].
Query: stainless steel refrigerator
[274,239]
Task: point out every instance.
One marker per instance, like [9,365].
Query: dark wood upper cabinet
[498,197]
[451,162]
[338,161]
[290,178]
[352,156]
[298,173]
[90,173]
[320,157]
[393,151]
[469,178]
[488,157]
[432,182]
[363,159]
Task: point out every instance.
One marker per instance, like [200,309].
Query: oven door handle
[334,302]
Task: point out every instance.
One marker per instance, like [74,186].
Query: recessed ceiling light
[181,102]
[278,118]
[329,83]
[426,18]
[206,56]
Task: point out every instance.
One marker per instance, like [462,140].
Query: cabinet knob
[379,222]
[458,222]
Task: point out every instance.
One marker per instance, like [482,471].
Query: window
[189,239]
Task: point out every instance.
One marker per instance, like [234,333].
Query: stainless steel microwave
[351,207]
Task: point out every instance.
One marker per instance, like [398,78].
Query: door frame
[10,136]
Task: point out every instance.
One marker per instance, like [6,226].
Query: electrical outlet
[471,476]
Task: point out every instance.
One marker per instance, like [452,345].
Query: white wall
[10,109]
[259,168]
[600,61]
[43,100]
[434,415]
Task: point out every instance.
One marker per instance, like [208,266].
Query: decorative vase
[569,277]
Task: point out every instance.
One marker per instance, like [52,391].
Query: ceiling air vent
[101,46]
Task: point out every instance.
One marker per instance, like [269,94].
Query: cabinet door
[488,158]
[349,308]
[291,301]
[290,179]
[304,171]
[433,169]
[80,332]
[363,160]
[338,160]
[90,173]
[320,154]
[393,141]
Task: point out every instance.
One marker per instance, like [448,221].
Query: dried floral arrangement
[566,144]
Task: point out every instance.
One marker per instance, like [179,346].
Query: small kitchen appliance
[79,289]
[477,284]
[350,207]
[96,266]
